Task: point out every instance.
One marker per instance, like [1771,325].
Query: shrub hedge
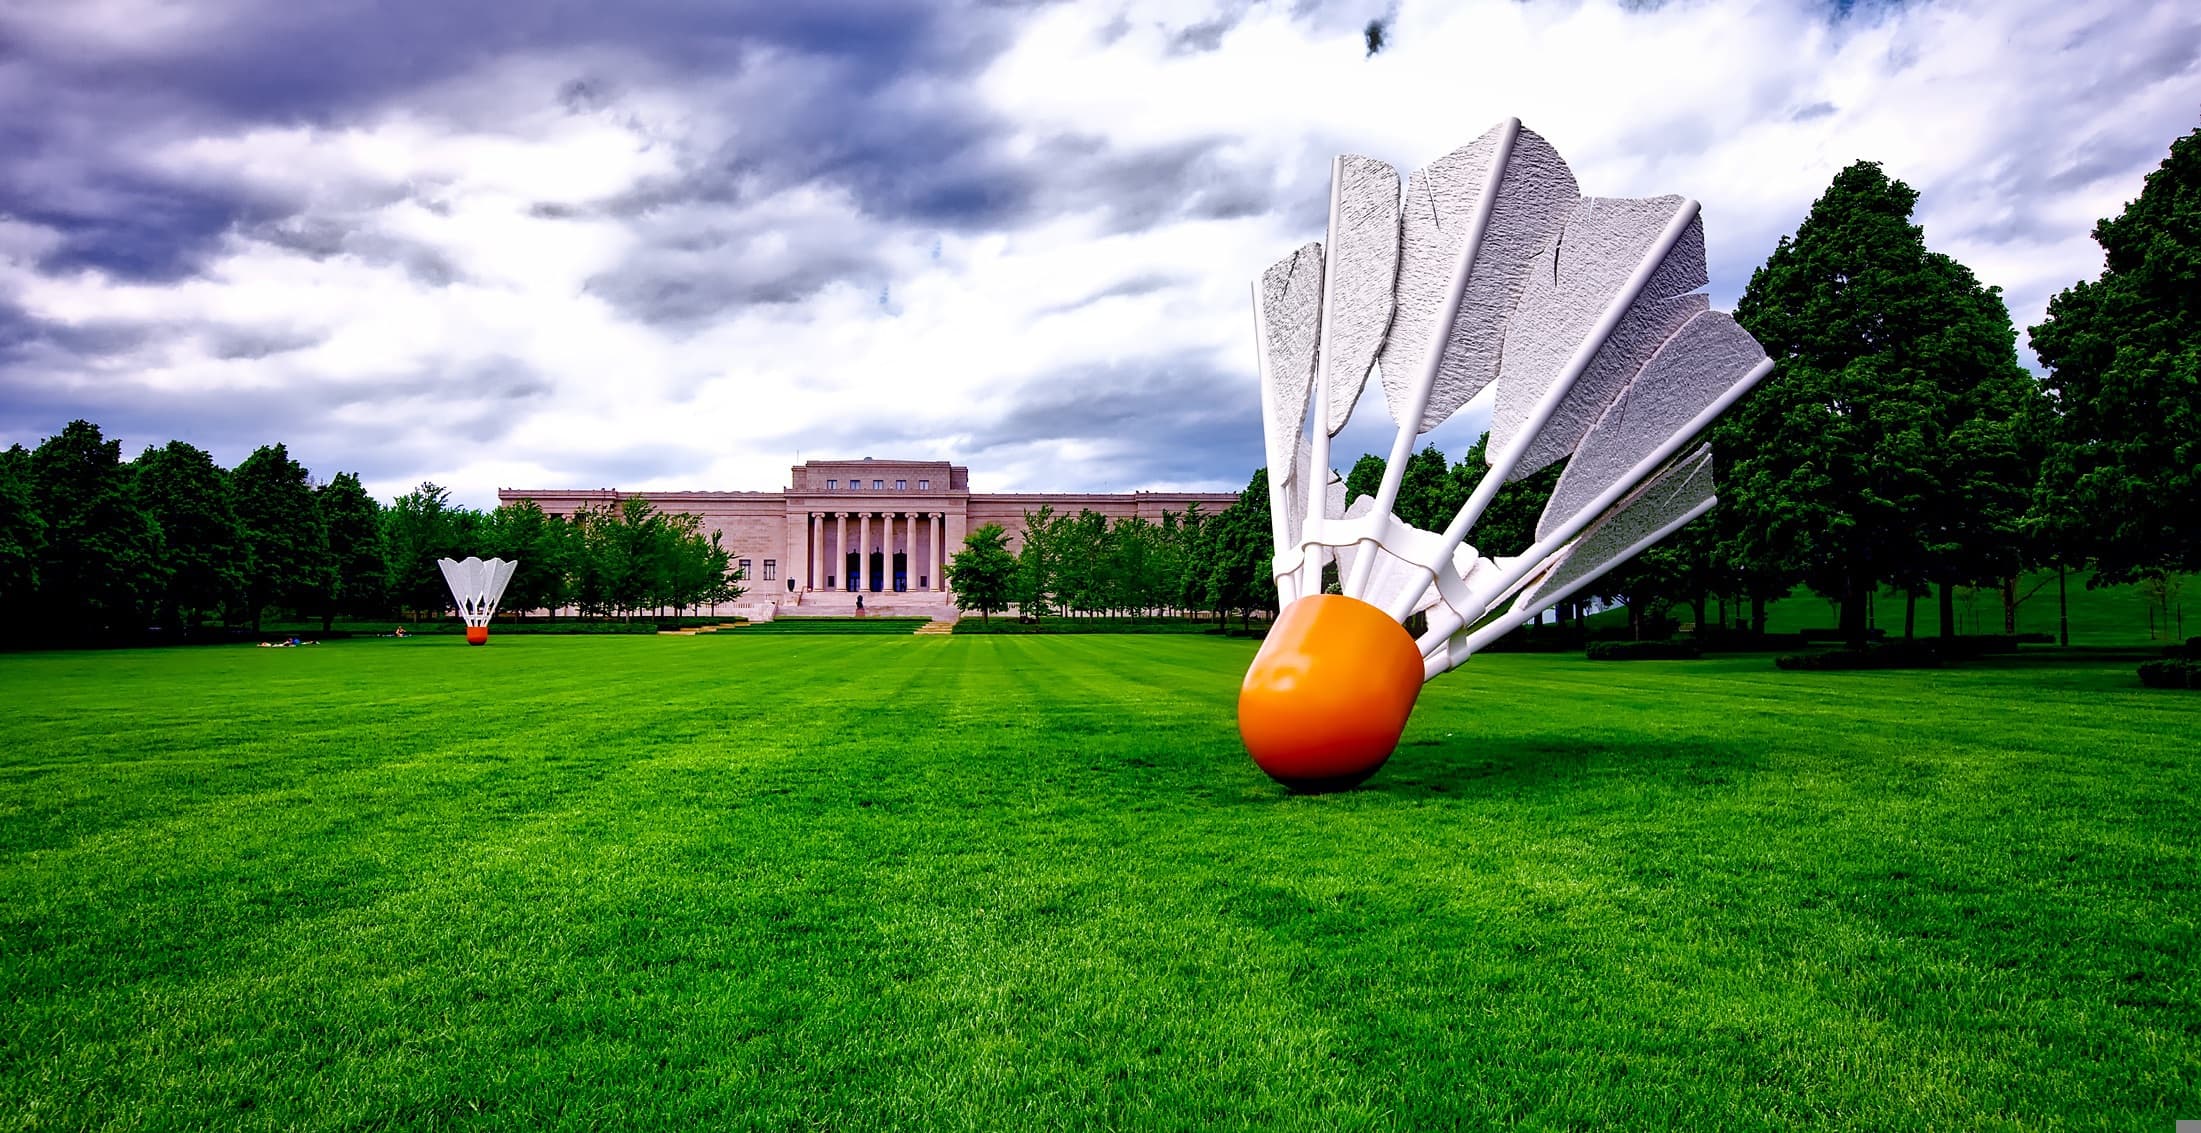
[2171,672]
[1644,651]
[1889,655]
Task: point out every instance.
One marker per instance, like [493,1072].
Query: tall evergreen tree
[2124,358]
[358,573]
[188,495]
[100,565]
[283,533]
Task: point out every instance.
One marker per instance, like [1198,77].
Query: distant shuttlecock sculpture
[476,584]
[1584,313]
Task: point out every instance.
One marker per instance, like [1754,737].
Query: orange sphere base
[477,635]
[1328,695]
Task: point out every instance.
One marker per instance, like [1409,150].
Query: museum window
[901,485]
[878,485]
[771,570]
[855,485]
[744,564]
[924,485]
[832,485]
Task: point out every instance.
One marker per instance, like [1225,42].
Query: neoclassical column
[940,542]
[921,536]
[816,549]
[863,551]
[840,550]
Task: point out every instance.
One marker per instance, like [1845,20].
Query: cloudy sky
[683,243]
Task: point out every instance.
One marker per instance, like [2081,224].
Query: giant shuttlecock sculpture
[1584,313]
[476,584]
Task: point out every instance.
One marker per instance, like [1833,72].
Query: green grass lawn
[1005,882]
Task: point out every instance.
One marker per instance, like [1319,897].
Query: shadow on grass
[1460,767]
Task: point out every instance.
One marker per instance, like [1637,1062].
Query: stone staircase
[694,630]
[884,604]
[936,628]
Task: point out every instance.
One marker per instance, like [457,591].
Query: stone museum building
[876,528]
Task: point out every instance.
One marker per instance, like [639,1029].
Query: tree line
[1898,444]
[93,546]
[1082,565]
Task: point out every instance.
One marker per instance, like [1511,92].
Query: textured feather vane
[1673,497]
[1586,315]
[476,585]
[1709,358]
[1363,262]
[1534,191]
[1663,505]
[1287,309]
[1578,279]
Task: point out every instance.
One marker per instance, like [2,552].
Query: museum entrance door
[901,570]
[848,574]
[878,580]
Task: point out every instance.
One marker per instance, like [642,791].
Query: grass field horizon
[982,882]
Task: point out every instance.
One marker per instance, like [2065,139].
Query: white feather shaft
[1481,638]
[1444,622]
[1317,486]
[1279,513]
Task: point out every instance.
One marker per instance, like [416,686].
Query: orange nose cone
[477,635]
[1328,695]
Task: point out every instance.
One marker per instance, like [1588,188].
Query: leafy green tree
[637,570]
[983,572]
[358,563]
[1195,560]
[181,488]
[286,545]
[22,531]
[420,527]
[1508,525]
[100,565]
[2124,360]
[522,531]
[1846,465]
[1038,564]
[1241,549]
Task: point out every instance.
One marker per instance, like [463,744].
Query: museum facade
[876,529]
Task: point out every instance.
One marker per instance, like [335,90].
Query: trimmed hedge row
[1890,655]
[1679,650]
[2171,672]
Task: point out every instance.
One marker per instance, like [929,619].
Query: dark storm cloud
[79,120]
[700,254]
[480,404]
[1162,420]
